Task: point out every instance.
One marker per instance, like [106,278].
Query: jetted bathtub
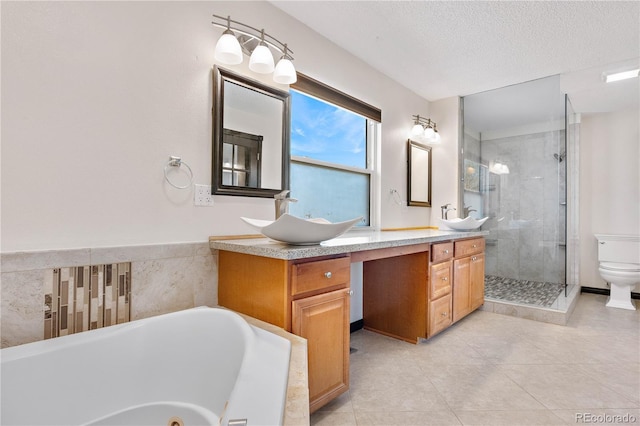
[201,366]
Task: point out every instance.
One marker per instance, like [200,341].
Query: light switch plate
[202,196]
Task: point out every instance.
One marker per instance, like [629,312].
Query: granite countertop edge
[350,242]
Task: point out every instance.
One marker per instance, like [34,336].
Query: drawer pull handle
[327,274]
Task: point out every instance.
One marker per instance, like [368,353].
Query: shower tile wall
[526,207]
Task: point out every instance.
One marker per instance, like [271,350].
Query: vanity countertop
[352,241]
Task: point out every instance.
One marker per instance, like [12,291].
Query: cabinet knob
[445,278]
[444,314]
[474,246]
[446,251]
[350,292]
[474,258]
[327,274]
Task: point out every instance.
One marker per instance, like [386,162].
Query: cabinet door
[461,277]
[324,321]
[476,281]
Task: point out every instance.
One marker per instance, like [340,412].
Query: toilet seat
[621,267]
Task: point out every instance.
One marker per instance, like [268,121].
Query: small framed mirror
[250,136]
[418,174]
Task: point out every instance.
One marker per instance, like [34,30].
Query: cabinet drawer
[468,247]
[440,280]
[441,252]
[313,276]
[439,314]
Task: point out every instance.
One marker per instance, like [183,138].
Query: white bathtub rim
[268,348]
[49,345]
[211,417]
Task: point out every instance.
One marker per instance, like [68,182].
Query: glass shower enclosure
[516,151]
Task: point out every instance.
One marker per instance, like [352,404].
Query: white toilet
[619,257]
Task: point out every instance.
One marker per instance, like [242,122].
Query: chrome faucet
[445,210]
[467,211]
[282,203]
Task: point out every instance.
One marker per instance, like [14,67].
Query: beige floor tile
[407,418]
[509,418]
[622,378]
[329,418]
[470,387]
[566,387]
[387,393]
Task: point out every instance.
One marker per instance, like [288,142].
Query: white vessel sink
[294,230]
[467,224]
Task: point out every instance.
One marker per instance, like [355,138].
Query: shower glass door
[514,171]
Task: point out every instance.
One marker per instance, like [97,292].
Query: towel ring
[177,162]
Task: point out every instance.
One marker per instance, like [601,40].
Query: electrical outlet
[203,196]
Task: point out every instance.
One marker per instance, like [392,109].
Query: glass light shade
[285,72]
[429,133]
[417,130]
[436,138]
[228,49]
[261,60]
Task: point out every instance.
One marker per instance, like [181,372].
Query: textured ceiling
[440,49]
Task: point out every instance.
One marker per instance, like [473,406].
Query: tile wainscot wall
[164,278]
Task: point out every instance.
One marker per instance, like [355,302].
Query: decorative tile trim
[84,298]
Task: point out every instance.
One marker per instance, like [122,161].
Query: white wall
[97,95]
[445,158]
[609,184]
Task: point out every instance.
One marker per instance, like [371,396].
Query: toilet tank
[618,248]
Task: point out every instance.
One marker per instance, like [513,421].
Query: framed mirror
[250,136]
[418,174]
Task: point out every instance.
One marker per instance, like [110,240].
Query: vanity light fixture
[609,78]
[256,43]
[424,130]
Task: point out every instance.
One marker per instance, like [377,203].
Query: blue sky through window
[326,132]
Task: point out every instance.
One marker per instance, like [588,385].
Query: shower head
[560,156]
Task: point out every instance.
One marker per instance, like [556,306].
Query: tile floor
[492,369]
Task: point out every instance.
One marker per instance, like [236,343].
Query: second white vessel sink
[294,230]
[466,224]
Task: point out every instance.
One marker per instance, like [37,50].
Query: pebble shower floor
[521,291]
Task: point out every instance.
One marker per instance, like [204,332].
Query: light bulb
[428,133]
[228,49]
[285,72]
[261,60]
[417,130]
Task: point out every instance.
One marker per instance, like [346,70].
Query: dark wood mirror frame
[418,174]
[220,76]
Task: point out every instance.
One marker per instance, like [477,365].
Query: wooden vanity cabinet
[468,277]
[308,297]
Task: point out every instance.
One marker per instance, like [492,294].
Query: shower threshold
[539,301]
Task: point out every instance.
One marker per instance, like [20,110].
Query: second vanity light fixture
[424,130]
[257,43]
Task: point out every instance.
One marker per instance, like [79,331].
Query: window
[332,148]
